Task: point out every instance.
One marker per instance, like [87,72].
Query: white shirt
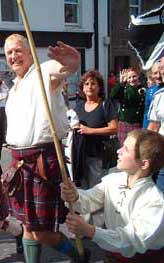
[27,122]
[156,111]
[134,217]
[72,118]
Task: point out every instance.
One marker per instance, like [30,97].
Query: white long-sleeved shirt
[134,218]
[27,122]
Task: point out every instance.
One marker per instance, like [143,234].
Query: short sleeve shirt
[97,118]
[156,111]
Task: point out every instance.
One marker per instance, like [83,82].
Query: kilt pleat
[38,204]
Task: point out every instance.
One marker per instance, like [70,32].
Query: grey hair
[19,38]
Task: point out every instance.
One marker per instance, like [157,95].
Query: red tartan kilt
[38,204]
[150,256]
[4,204]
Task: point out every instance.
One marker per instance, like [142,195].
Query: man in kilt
[36,202]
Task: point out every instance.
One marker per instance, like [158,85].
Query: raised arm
[68,56]
[66,59]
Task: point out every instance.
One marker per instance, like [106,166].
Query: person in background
[150,81]
[156,117]
[130,95]
[9,224]
[74,124]
[150,91]
[38,204]
[3,123]
[65,94]
[133,205]
[111,80]
[98,119]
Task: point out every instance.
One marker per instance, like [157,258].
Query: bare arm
[65,60]
[110,129]
[67,57]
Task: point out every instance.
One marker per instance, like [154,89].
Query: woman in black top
[98,118]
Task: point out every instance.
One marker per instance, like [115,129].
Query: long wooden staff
[47,109]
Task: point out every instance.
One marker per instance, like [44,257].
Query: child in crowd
[133,205]
[130,95]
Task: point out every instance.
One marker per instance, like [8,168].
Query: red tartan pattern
[124,128]
[4,204]
[150,256]
[38,204]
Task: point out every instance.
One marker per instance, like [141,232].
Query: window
[121,62]
[5,73]
[71,9]
[9,11]
[3,65]
[134,7]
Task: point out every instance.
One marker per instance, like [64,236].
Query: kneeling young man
[133,205]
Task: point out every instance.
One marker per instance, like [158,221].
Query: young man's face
[126,157]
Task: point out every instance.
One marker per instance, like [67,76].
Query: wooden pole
[48,112]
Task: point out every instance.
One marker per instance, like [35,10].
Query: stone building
[120,54]
[97,28]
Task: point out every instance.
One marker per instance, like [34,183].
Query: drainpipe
[96,34]
[110,32]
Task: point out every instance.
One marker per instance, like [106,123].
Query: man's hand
[77,225]
[68,56]
[69,192]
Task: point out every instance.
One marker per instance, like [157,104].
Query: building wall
[46,19]
[120,21]
[121,54]
[103,39]
[148,5]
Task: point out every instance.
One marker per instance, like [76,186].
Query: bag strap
[103,106]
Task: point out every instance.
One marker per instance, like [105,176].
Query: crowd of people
[126,211]
[125,202]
